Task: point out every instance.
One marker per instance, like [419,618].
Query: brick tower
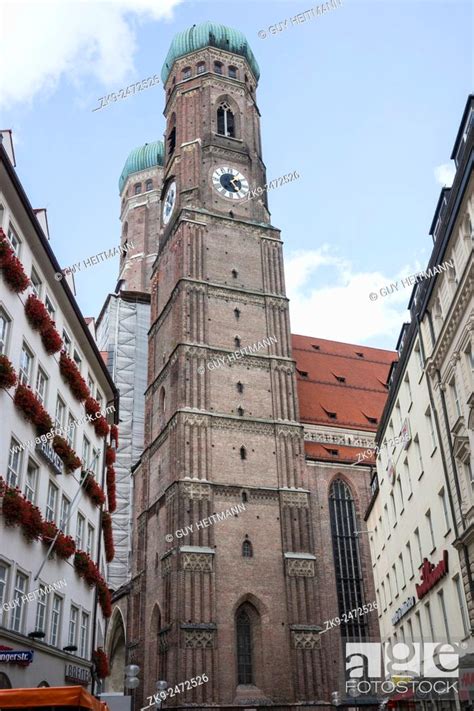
[237,599]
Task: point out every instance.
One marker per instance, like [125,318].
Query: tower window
[225,121]
[237,313]
[235,273]
[233,72]
[247,551]
[240,411]
[172,141]
[186,72]
[149,185]
[138,188]
[243,453]
[218,67]
[244,497]
[240,387]
[237,341]
[244,647]
[201,68]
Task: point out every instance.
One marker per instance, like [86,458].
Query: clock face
[230,183]
[169,202]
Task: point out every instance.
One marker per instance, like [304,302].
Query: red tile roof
[323,452]
[343,379]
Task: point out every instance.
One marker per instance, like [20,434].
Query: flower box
[32,409]
[93,490]
[108,537]
[67,455]
[41,321]
[101,662]
[72,376]
[86,568]
[111,489]
[110,456]
[7,373]
[114,435]
[101,427]
[11,267]
[18,511]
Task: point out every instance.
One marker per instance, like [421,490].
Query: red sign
[431,574]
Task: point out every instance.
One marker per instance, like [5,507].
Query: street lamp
[131,676]
[160,686]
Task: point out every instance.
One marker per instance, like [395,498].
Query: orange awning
[50,696]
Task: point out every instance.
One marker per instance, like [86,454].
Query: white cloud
[444,174]
[343,311]
[42,42]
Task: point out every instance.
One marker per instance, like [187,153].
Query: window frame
[5,331]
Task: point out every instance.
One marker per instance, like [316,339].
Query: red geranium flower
[68,456]
[52,341]
[7,373]
[11,267]
[114,435]
[110,456]
[101,427]
[32,409]
[108,536]
[72,376]
[93,490]
[101,662]
[111,489]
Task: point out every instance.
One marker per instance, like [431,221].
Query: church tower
[233,599]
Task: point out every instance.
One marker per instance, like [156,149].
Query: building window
[80,531]
[51,502]
[201,68]
[40,620]
[77,360]
[84,635]
[90,540]
[64,517]
[244,646]
[442,607]
[21,582]
[60,414]
[3,584]
[430,621]
[462,606]
[232,71]
[71,430]
[26,364]
[67,343]
[14,240]
[394,508]
[186,73]
[407,476]
[419,456]
[429,420]
[31,480]
[55,620]
[240,411]
[225,121]
[345,541]
[389,588]
[384,598]
[410,630]
[243,453]
[420,628]
[410,558]
[240,387]
[442,496]
[14,463]
[36,283]
[90,384]
[418,544]
[4,330]
[402,570]
[237,342]
[149,185]
[419,355]
[137,188]
[247,551]
[218,66]
[49,307]
[237,313]
[72,633]
[86,453]
[408,386]
[400,494]
[234,273]
[394,571]
[455,397]
[430,527]
[41,385]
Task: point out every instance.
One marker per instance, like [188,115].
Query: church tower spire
[232,597]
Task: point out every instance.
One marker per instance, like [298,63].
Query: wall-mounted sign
[48,454]
[403,609]
[13,656]
[405,434]
[77,675]
[431,574]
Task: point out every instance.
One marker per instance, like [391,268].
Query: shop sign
[53,459]
[403,609]
[77,675]
[13,656]
[431,574]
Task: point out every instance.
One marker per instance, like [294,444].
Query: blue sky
[364,102]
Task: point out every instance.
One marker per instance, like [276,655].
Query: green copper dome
[140,158]
[208,34]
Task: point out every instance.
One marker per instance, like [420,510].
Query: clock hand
[232,181]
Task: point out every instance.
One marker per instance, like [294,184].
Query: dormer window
[340,378]
[218,67]
[316,348]
[303,373]
[330,414]
[359,355]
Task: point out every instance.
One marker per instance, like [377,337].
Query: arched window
[149,185]
[247,550]
[234,273]
[201,67]
[244,497]
[162,400]
[244,646]
[240,387]
[172,136]
[186,72]
[138,188]
[225,121]
[237,313]
[232,72]
[237,341]
[243,453]
[240,411]
[218,67]
[345,543]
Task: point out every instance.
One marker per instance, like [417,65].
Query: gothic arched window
[243,453]
[247,550]
[225,121]
[244,646]
[345,543]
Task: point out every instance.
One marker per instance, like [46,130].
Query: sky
[364,102]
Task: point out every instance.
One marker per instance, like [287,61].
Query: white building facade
[47,611]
